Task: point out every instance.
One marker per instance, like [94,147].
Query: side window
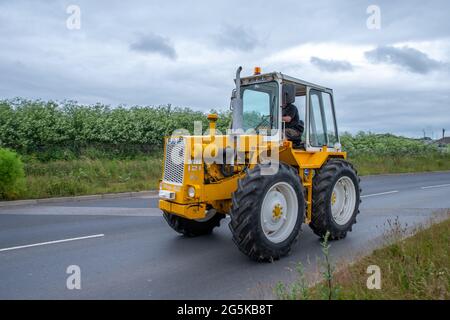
[300,103]
[329,119]
[317,135]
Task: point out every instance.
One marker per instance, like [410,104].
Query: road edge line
[133,194]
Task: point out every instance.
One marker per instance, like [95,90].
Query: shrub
[12,177]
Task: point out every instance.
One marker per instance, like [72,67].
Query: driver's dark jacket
[295,123]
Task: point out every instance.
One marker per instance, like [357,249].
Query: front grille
[174,162]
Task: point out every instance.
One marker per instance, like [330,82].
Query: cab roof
[284,78]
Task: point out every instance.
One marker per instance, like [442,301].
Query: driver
[294,126]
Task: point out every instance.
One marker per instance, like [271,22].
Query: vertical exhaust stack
[236,103]
[212,118]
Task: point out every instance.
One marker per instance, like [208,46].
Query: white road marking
[52,242]
[379,194]
[438,186]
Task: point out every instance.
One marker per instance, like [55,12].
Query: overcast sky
[393,79]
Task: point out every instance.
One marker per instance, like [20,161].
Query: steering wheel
[264,123]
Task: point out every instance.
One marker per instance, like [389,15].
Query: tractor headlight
[191,192]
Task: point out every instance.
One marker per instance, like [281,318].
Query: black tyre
[336,199]
[193,228]
[267,213]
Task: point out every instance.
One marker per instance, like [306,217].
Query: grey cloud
[237,38]
[153,43]
[408,58]
[84,65]
[331,65]
[404,111]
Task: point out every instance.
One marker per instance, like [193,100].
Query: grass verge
[86,176]
[401,164]
[414,268]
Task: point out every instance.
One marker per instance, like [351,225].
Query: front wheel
[194,228]
[267,213]
[336,198]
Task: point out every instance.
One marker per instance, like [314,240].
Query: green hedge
[370,144]
[66,130]
[49,130]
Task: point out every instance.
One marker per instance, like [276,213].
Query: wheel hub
[333,198]
[277,212]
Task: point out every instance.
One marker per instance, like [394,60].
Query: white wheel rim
[343,200]
[279,212]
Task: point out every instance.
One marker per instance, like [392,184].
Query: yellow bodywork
[214,190]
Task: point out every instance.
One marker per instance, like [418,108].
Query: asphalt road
[125,249]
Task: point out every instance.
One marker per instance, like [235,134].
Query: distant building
[443,142]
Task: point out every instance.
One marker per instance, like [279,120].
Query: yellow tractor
[267,184]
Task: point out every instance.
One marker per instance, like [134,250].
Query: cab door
[321,120]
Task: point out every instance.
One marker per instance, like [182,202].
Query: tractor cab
[262,96]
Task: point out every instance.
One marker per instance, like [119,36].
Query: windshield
[260,106]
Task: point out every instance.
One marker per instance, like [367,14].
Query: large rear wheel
[336,198]
[267,213]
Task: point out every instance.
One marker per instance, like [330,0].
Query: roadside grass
[88,176]
[368,165]
[412,268]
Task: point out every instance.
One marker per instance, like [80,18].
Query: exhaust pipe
[236,103]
